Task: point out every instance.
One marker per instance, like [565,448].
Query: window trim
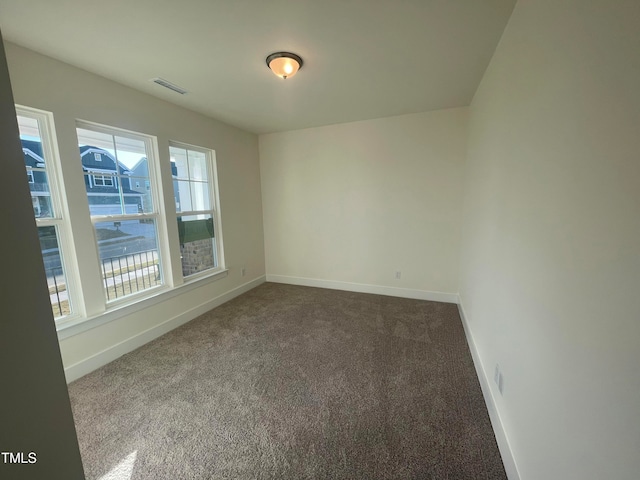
[60,218]
[92,309]
[214,211]
[158,214]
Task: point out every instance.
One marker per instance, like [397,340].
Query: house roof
[32,153]
[88,152]
[33,157]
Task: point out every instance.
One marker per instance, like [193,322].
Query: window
[195,198]
[129,224]
[103,181]
[126,221]
[36,136]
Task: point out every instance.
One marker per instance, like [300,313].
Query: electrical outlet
[243,271]
[398,274]
[501,383]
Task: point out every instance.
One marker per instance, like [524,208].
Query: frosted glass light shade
[284,64]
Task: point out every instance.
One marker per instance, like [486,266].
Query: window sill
[73,326]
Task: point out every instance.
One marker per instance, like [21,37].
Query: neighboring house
[140,179]
[101,182]
[176,189]
[34,162]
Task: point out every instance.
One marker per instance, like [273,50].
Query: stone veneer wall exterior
[197,256]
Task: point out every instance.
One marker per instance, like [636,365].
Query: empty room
[350,240]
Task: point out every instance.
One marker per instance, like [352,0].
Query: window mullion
[133,216]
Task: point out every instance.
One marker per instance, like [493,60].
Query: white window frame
[30,173]
[214,202]
[60,219]
[103,179]
[157,215]
[84,279]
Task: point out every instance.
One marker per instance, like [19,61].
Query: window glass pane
[110,163]
[182,195]
[28,127]
[197,244]
[37,149]
[193,188]
[41,206]
[103,141]
[179,162]
[135,203]
[36,167]
[40,194]
[118,182]
[104,196]
[129,257]
[138,192]
[197,166]
[200,196]
[54,269]
[131,155]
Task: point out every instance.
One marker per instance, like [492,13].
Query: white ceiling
[362,58]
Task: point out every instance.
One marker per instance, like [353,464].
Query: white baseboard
[364,288]
[498,428]
[77,370]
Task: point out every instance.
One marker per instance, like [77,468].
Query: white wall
[550,263]
[71,93]
[347,205]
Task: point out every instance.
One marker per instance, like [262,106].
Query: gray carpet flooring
[288,382]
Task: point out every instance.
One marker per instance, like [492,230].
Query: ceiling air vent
[169,85]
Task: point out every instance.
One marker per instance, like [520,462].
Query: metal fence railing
[130,273]
[57,291]
[121,275]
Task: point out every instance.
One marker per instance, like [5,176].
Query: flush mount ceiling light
[284,64]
